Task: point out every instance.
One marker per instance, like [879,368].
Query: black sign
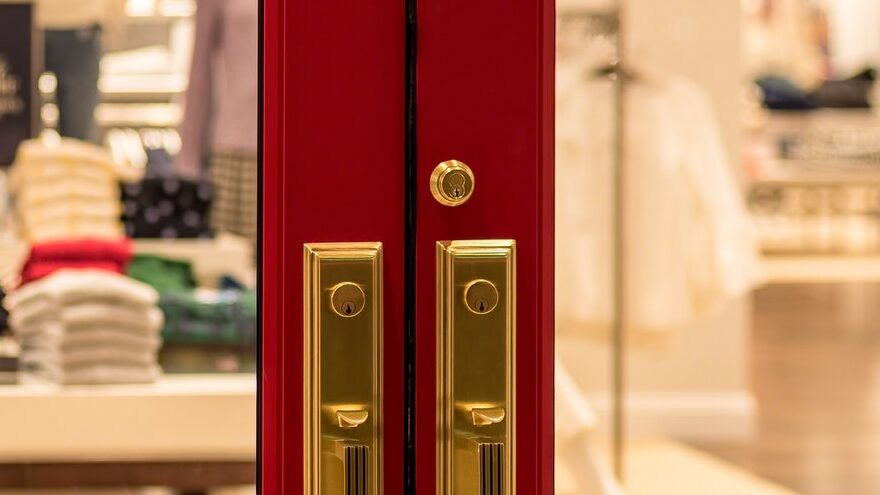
[17,82]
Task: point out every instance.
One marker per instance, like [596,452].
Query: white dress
[690,242]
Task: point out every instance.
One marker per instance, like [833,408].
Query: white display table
[200,418]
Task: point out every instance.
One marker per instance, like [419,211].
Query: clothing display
[205,330]
[854,92]
[167,207]
[47,258]
[221,120]
[781,38]
[68,190]
[223,97]
[163,274]
[73,48]
[236,202]
[210,317]
[74,56]
[690,243]
[87,326]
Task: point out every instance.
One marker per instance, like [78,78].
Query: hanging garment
[690,243]
[223,98]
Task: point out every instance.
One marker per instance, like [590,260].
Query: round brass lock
[347,299]
[452,183]
[481,296]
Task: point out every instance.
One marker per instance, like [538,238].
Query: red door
[407,341]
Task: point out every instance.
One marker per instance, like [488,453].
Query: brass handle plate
[452,183]
[343,368]
[476,367]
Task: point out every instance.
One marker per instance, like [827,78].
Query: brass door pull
[343,368]
[476,367]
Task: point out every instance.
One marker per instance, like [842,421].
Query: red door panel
[485,97]
[333,116]
[334,144]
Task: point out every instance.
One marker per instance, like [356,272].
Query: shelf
[179,418]
[818,269]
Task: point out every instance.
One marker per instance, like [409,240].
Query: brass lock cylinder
[452,183]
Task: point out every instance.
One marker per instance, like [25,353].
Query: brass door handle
[351,419]
[486,417]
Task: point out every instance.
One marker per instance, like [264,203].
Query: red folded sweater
[49,257]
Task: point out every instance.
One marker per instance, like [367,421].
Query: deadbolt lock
[452,183]
[347,299]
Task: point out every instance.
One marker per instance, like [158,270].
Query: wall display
[17,69]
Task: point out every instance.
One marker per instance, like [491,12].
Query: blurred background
[128,213]
[718,247]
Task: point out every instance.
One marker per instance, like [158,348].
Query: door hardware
[452,183]
[491,468]
[476,367]
[343,368]
[481,296]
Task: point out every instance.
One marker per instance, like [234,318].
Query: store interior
[717,247]
[127,246]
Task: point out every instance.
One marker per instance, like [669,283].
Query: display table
[190,431]
[822,268]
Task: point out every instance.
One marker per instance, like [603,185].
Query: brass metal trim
[476,367]
[452,183]
[342,327]
[491,468]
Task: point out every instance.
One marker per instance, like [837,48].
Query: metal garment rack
[609,23]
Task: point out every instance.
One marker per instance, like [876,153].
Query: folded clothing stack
[68,189]
[208,317]
[48,257]
[87,326]
[198,316]
[167,207]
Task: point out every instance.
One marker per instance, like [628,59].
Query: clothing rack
[609,23]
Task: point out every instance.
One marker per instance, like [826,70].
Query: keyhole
[481,296]
[347,299]
[456,185]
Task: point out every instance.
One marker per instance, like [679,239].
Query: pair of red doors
[362,100]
